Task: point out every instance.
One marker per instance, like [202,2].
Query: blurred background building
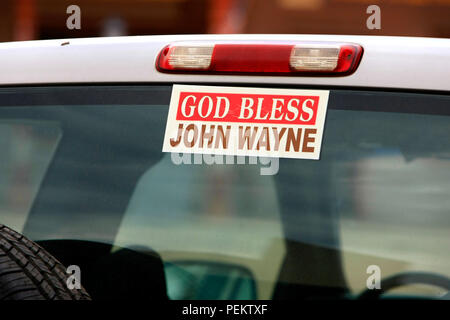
[46,19]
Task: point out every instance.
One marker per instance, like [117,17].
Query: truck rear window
[87,165]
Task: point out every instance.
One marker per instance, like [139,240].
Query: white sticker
[240,121]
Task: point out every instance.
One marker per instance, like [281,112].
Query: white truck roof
[387,62]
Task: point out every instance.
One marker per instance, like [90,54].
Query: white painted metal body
[387,62]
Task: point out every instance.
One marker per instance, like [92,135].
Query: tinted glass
[377,198]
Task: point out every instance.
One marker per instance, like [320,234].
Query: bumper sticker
[240,121]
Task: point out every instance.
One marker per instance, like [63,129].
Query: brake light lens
[260,58]
[314,58]
[192,57]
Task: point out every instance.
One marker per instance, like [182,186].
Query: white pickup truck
[225,167]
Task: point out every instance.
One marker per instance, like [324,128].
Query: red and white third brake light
[318,58]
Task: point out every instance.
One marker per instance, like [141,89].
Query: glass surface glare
[379,195]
